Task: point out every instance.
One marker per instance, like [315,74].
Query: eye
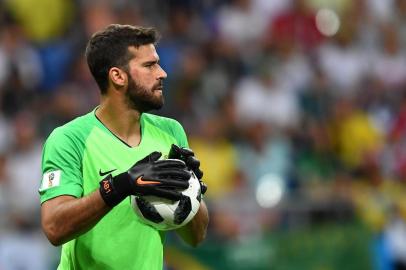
[151,65]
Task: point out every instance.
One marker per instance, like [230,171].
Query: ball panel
[174,214]
[166,211]
[148,211]
[199,195]
[183,210]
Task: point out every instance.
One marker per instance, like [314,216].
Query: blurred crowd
[296,109]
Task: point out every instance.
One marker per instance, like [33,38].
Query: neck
[120,120]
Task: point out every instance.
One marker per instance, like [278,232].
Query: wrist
[115,189]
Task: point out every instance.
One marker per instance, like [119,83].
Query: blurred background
[296,109]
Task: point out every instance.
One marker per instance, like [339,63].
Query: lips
[159,86]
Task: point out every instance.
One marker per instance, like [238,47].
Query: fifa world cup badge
[50,179]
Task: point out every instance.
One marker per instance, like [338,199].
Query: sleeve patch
[50,179]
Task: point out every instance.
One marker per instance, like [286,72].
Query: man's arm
[194,232]
[65,217]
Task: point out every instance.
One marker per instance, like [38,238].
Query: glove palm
[149,176]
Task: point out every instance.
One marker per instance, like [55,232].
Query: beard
[143,99]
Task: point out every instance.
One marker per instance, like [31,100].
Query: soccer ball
[164,214]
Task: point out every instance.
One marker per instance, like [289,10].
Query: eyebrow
[151,62]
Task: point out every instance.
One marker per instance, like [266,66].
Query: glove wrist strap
[115,189]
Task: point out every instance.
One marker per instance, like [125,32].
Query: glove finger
[167,194]
[192,162]
[174,183]
[174,152]
[151,157]
[154,156]
[180,152]
[198,173]
[203,187]
[170,163]
[186,152]
[183,175]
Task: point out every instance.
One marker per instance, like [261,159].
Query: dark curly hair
[109,48]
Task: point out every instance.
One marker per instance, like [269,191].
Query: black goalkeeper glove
[149,176]
[188,156]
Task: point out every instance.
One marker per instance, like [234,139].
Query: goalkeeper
[92,164]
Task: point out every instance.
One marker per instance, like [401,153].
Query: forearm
[65,217]
[195,231]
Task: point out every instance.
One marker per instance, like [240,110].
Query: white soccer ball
[164,214]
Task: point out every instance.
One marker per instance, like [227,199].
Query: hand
[188,156]
[149,176]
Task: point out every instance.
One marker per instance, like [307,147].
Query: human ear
[118,77]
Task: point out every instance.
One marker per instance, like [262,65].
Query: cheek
[143,78]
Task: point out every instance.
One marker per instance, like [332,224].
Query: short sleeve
[61,166]
[180,134]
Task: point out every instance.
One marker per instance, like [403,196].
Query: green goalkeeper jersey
[76,157]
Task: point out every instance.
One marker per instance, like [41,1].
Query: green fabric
[79,150]
[332,245]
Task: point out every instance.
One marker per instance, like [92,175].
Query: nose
[162,73]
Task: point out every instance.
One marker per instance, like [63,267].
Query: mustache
[160,84]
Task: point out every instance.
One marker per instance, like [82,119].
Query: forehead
[143,53]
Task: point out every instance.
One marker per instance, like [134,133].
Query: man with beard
[93,163]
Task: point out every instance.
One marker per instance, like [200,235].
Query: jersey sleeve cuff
[75,191]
